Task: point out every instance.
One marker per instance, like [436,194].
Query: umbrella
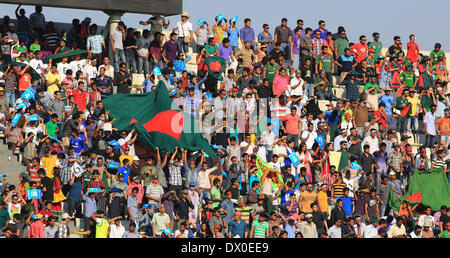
[417,197]
[34,75]
[58,57]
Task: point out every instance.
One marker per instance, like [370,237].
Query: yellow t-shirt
[322,200]
[48,163]
[414,102]
[51,78]
[306,199]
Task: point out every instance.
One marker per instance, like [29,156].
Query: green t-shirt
[321,88]
[340,45]
[326,62]
[377,47]
[216,192]
[87,177]
[211,50]
[34,47]
[369,86]
[345,157]
[51,128]
[408,78]
[270,71]
[426,102]
[4,217]
[260,229]
[435,55]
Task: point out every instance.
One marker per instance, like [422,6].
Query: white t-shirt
[311,136]
[77,66]
[183,29]
[297,91]
[91,71]
[250,149]
[116,232]
[62,69]
[37,65]
[118,39]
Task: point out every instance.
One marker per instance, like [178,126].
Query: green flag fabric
[34,75]
[433,185]
[216,66]
[157,120]
[57,57]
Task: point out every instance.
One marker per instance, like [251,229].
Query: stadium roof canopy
[162,7]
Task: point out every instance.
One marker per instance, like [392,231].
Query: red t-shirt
[382,121]
[361,51]
[24,82]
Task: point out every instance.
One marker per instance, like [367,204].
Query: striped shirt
[260,229]
[154,192]
[438,163]
[34,177]
[246,211]
[95,43]
[339,189]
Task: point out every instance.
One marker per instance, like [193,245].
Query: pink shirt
[291,123]
[280,84]
[36,230]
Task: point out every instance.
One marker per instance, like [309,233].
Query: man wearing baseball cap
[308,227]
[154,191]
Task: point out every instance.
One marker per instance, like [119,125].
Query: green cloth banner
[57,57]
[432,184]
[157,120]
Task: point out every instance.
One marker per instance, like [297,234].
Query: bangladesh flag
[216,66]
[157,120]
[428,187]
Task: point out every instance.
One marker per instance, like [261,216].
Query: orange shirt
[444,126]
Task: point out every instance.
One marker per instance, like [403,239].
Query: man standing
[430,128]
[306,46]
[376,45]
[283,35]
[293,125]
[117,39]
[247,34]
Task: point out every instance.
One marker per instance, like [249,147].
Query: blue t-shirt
[233,36]
[347,205]
[251,179]
[332,121]
[388,101]
[77,144]
[125,172]
[275,125]
[179,66]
